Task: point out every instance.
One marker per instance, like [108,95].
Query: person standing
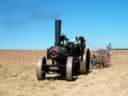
[109,47]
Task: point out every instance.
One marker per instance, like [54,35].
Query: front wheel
[40,69]
[69,69]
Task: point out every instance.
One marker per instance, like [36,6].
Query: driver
[76,41]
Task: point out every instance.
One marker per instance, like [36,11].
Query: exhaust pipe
[57,32]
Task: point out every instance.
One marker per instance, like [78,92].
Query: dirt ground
[18,78]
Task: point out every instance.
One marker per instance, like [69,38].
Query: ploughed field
[18,78]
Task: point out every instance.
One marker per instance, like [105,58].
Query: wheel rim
[40,69]
[69,69]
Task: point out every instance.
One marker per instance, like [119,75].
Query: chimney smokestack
[57,31]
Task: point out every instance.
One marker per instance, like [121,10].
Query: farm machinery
[66,56]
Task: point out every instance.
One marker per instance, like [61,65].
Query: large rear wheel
[40,69]
[87,65]
[69,69]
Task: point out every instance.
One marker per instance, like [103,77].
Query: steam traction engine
[66,56]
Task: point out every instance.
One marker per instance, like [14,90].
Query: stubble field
[18,78]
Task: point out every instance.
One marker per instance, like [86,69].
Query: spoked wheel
[69,69]
[87,66]
[40,69]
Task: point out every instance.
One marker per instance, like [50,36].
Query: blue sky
[29,24]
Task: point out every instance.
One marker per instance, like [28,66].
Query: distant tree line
[120,49]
